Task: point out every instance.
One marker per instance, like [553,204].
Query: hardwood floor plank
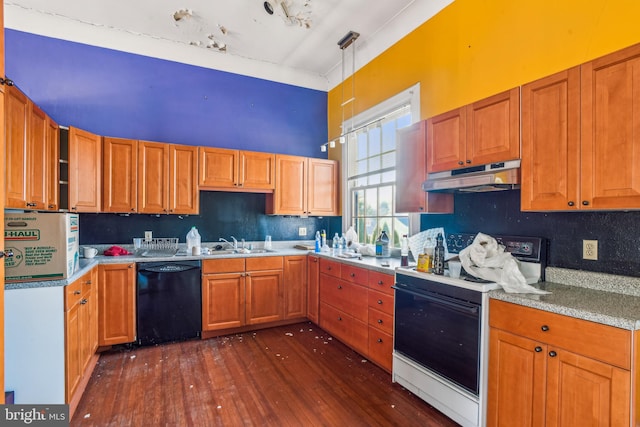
[294,375]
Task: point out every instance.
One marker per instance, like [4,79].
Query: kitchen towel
[486,259]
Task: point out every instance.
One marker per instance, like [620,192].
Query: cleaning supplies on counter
[318,242]
[438,255]
[382,245]
[336,245]
[193,241]
[404,251]
[425,259]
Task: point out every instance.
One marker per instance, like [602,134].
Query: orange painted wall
[473,49]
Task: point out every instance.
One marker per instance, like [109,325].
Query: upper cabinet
[85,171]
[31,154]
[487,131]
[304,186]
[167,178]
[120,175]
[580,144]
[411,171]
[223,169]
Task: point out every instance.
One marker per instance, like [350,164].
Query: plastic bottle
[385,244]
[193,241]
[318,242]
[343,243]
[438,256]
[379,246]
[323,237]
[336,245]
[404,251]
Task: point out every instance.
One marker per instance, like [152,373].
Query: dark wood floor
[285,376]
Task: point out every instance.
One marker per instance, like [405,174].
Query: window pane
[358,202]
[371,200]
[389,136]
[362,146]
[374,141]
[388,160]
[388,177]
[361,167]
[361,182]
[403,121]
[385,207]
[374,163]
[372,231]
[401,226]
[374,179]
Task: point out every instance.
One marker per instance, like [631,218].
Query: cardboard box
[44,245]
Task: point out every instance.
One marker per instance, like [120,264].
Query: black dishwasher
[169,303]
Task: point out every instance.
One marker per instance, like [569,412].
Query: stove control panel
[524,248]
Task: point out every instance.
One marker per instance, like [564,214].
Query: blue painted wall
[119,94]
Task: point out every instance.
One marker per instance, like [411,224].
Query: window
[370,176]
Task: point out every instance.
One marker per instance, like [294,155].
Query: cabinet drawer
[265,263]
[72,294]
[335,292]
[330,267]
[226,265]
[381,301]
[602,342]
[333,321]
[354,274]
[381,282]
[380,348]
[381,320]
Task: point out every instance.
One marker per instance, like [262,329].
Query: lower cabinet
[356,306]
[541,372]
[264,290]
[313,288]
[295,286]
[117,307]
[223,293]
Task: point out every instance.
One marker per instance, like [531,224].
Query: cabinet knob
[468,161]
[585,203]
[329,268]
[380,321]
[538,349]
[553,353]
[133,209]
[51,206]
[380,282]
[339,318]
[420,208]
[379,301]
[571,203]
[544,328]
[30,205]
[6,81]
[339,286]
[84,301]
[460,162]
[130,265]
[88,282]
[379,339]
[353,274]
[77,292]
[315,259]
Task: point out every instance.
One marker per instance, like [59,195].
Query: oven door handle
[443,300]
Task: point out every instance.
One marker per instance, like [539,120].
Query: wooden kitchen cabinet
[541,372]
[550,167]
[52,150]
[80,332]
[36,158]
[411,172]
[117,304]
[15,124]
[264,290]
[224,169]
[484,132]
[380,302]
[313,288]
[223,293]
[120,175]
[295,286]
[304,186]
[85,171]
[167,178]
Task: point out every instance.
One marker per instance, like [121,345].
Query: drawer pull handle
[353,274]
[553,353]
[545,328]
[77,292]
[379,339]
[380,282]
[329,268]
[379,301]
[380,321]
[84,301]
[339,318]
[339,286]
[538,349]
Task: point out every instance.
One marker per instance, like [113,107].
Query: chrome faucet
[234,244]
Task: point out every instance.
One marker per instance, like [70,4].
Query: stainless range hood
[476,179]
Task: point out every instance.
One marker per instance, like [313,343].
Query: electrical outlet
[148,235]
[590,249]
[302,231]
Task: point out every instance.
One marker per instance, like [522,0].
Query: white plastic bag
[351,236]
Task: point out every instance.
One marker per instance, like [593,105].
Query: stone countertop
[279,249]
[589,296]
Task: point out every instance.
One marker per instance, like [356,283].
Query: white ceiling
[238,36]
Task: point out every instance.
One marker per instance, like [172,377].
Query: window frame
[410,96]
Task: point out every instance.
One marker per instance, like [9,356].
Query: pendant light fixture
[346,41]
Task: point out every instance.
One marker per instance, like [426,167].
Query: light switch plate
[148,235]
[302,231]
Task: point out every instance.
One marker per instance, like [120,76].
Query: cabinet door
[493,129]
[53,165]
[264,296]
[117,304]
[517,379]
[446,141]
[323,194]
[95,298]
[411,171]
[36,158]
[223,301]
[73,367]
[610,147]
[583,391]
[551,142]
[85,171]
[120,177]
[313,288]
[295,286]
[15,123]
[290,195]
[257,170]
[153,177]
[380,349]
[183,180]
[86,307]
[218,167]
